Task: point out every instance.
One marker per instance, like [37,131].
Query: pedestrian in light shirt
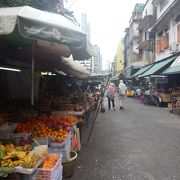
[122,93]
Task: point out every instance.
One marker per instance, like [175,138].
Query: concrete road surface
[138,143]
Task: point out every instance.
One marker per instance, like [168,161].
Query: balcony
[147,22]
[164,20]
[146,45]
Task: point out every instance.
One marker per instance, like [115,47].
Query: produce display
[130,93]
[55,126]
[30,160]
[11,156]
[50,161]
[50,168]
[42,130]
[19,155]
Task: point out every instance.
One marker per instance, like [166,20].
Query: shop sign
[39,31]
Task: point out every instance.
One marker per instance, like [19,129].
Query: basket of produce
[50,168]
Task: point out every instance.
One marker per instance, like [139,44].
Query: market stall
[30,138]
[173,74]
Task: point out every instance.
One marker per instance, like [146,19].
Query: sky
[108,20]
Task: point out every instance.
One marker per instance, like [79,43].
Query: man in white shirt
[122,93]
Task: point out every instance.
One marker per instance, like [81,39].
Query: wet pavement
[138,143]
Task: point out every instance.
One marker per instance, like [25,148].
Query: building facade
[85,26]
[97,61]
[166,28]
[158,34]
[146,36]
[132,61]
[119,58]
[133,36]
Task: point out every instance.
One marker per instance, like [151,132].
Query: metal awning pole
[32,74]
[98,108]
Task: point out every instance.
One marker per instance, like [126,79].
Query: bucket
[68,166]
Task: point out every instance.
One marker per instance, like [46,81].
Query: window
[163,3]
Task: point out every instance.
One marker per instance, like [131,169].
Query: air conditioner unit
[174,47]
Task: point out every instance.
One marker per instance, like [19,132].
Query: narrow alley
[138,143]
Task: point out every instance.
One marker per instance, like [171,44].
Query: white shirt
[122,88]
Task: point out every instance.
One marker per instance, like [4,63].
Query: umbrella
[25,31]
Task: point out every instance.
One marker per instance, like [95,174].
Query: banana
[2,147]
[30,160]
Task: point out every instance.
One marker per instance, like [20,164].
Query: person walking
[111,95]
[122,93]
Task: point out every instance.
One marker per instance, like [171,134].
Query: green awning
[174,68]
[158,66]
[142,70]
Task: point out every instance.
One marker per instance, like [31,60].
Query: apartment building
[131,42]
[160,38]
[146,36]
[166,28]
[119,58]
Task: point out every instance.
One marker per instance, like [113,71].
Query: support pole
[32,74]
[98,108]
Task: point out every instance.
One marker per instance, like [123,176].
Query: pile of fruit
[50,161]
[11,156]
[30,160]
[130,93]
[56,126]
[48,168]
[26,126]
[42,130]
[54,121]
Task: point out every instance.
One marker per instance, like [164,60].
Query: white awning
[36,24]
[73,68]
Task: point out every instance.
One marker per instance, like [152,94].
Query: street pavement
[138,143]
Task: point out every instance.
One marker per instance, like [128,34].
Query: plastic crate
[60,176]
[49,174]
[42,140]
[65,151]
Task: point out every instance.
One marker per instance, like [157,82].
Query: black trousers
[109,103]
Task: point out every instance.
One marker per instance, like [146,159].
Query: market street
[139,143]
